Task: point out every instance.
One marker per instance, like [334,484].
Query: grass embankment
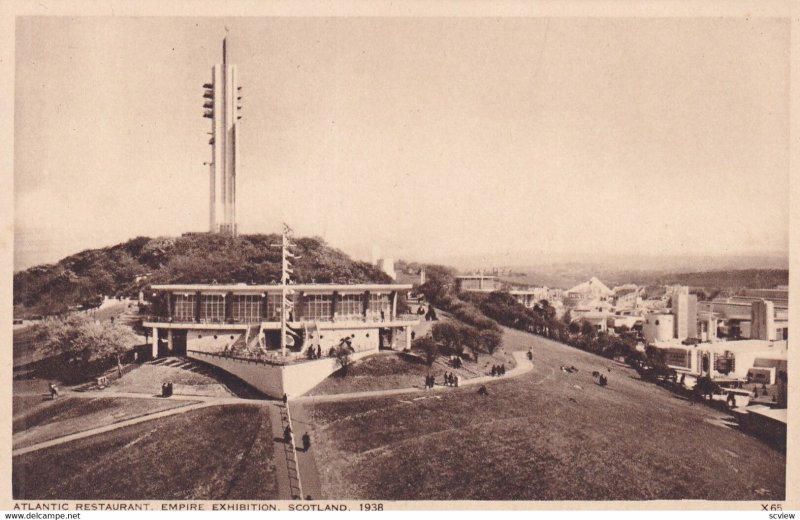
[72,415]
[379,372]
[389,371]
[189,377]
[219,453]
[548,435]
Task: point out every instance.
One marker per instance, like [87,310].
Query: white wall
[273,380]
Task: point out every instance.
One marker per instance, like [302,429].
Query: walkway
[205,402]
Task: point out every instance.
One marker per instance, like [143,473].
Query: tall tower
[222,104]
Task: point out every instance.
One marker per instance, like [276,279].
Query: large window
[318,306]
[349,307]
[378,303]
[247,307]
[274,306]
[184,307]
[677,357]
[212,307]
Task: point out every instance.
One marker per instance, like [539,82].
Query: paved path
[212,401]
[305,460]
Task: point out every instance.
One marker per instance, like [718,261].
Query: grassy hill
[126,268]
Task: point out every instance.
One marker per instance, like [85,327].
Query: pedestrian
[319,351]
[456,380]
[287,434]
[285,399]
[306,441]
[530,355]
[427,382]
[494,370]
[53,391]
[413,335]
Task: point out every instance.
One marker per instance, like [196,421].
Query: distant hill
[126,268]
[712,279]
[739,279]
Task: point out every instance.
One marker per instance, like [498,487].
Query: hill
[127,268]
[733,279]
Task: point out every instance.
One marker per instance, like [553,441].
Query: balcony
[405,318]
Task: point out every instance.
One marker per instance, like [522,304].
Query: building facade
[239,328]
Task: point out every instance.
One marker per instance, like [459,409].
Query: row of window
[250,307]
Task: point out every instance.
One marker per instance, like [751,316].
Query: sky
[429,138]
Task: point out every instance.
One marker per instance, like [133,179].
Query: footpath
[301,477]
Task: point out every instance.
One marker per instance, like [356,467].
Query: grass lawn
[188,376]
[387,371]
[546,435]
[75,414]
[218,453]
[379,372]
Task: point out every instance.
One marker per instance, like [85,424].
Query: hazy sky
[427,137]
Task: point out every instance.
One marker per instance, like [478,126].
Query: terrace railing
[250,321]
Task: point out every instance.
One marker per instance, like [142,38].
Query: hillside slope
[128,267]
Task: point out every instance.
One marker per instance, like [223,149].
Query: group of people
[287,438]
[499,370]
[314,353]
[602,380]
[449,380]
[455,361]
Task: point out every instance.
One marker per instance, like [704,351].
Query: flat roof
[483,276]
[237,288]
[776,414]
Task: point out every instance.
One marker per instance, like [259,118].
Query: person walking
[287,434]
[285,399]
[53,391]
[306,441]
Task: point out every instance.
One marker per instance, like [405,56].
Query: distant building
[592,289]
[478,283]
[530,297]
[758,360]
[684,307]
[762,322]
[658,327]
[780,293]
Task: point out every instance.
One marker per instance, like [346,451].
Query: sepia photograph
[388,259]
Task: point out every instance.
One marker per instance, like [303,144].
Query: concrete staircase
[290,456]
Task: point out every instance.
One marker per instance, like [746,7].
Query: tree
[343,357]
[490,340]
[448,334]
[430,349]
[82,342]
[588,330]
[574,327]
